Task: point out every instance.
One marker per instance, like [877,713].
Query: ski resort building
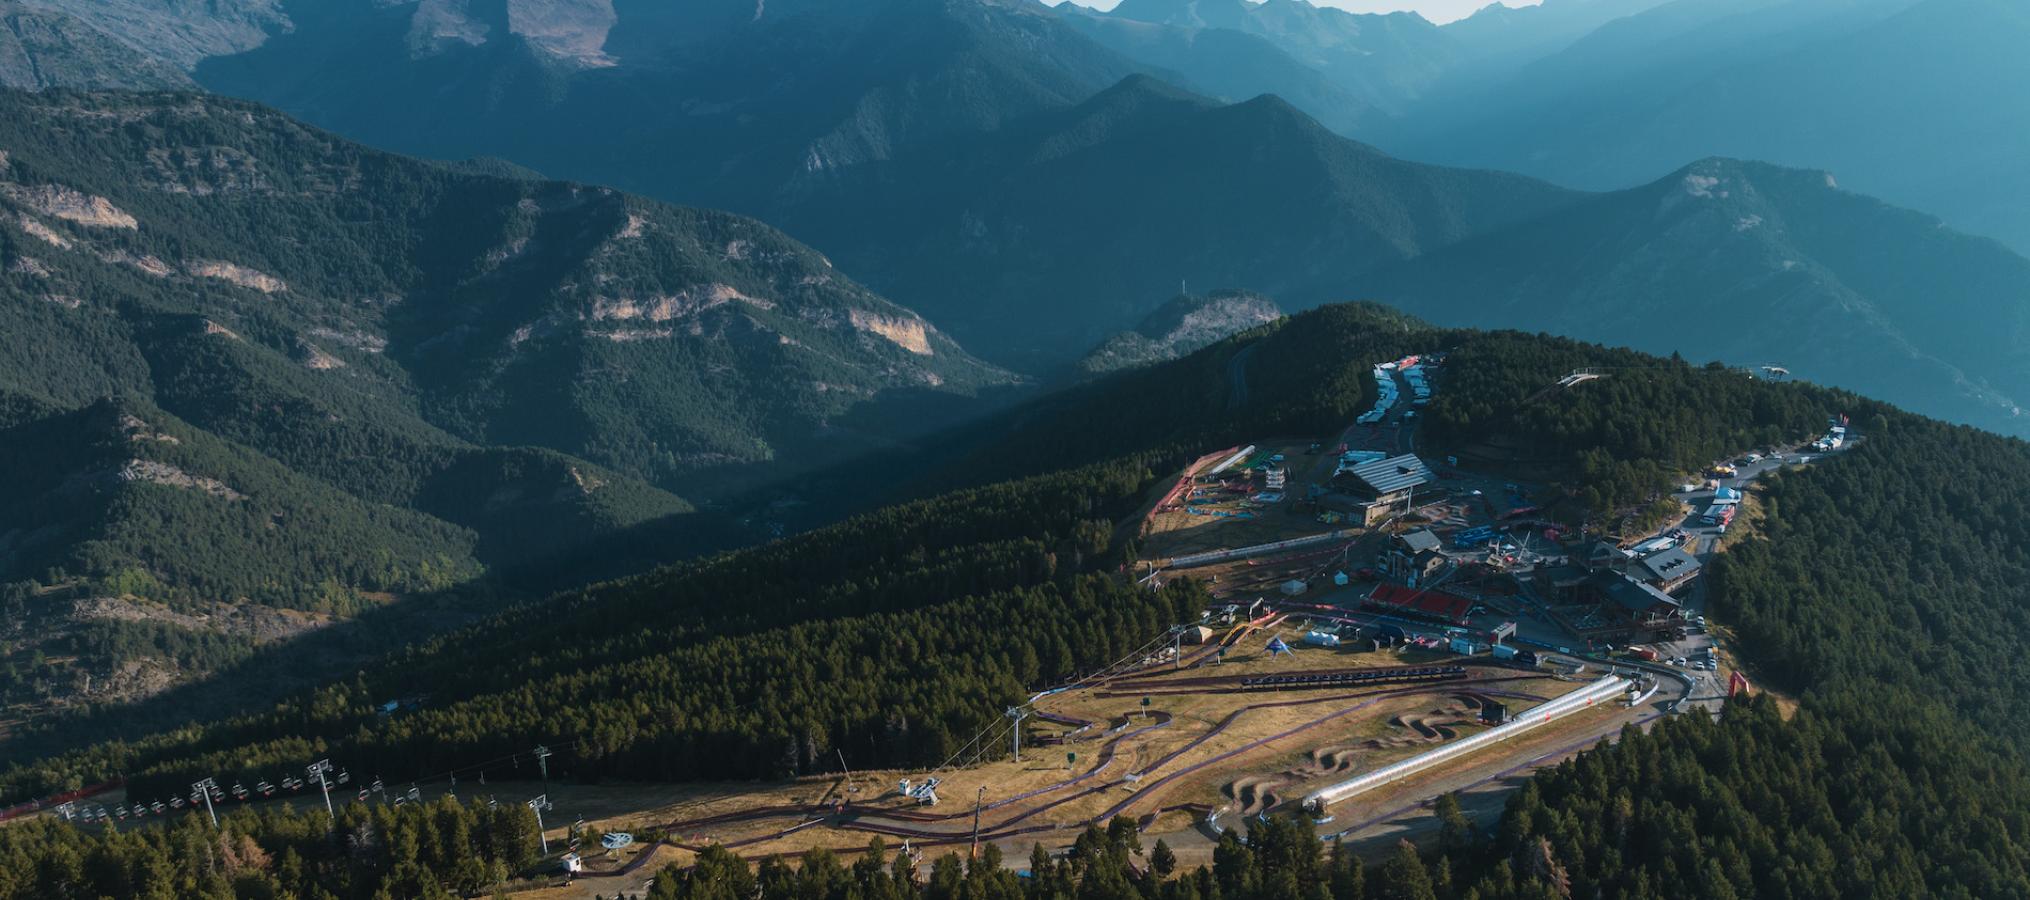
[1420,603]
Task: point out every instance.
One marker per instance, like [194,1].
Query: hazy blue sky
[1436,10]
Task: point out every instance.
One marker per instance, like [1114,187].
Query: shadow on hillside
[278,670]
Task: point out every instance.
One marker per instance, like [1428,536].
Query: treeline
[441,849]
[1747,806]
[1308,375]
[1880,796]
[1905,564]
[1626,435]
[1750,805]
[103,645]
[892,637]
[521,503]
[129,497]
[1885,590]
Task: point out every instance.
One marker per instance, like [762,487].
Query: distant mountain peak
[1194,13]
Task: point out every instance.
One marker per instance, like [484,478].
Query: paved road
[1237,377]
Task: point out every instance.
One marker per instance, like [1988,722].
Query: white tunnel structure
[1606,689]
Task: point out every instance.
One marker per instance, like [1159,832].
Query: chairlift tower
[543,762]
[538,805]
[205,787]
[1017,714]
[320,772]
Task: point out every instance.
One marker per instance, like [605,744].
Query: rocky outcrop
[148,265]
[682,304]
[149,471]
[43,233]
[234,273]
[57,201]
[137,430]
[1180,326]
[315,357]
[908,333]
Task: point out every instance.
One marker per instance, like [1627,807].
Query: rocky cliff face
[46,48]
[657,339]
[1186,323]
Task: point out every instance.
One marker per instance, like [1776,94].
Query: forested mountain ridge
[1896,770]
[393,376]
[1920,103]
[178,34]
[1032,193]
[101,491]
[1066,470]
[1074,217]
[1382,60]
[1076,223]
[663,99]
[498,311]
[1358,73]
[1040,537]
[44,48]
[1758,265]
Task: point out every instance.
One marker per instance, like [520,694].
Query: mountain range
[1025,183]
[1920,102]
[1917,101]
[1758,265]
[1035,240]
[1354,71]
[755,390]
[1925,104]
[45,48]
[439,362]
[249,362]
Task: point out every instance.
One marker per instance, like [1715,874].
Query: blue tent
[1276,646]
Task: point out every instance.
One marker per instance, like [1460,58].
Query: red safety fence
[33,806]
[1184,482]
